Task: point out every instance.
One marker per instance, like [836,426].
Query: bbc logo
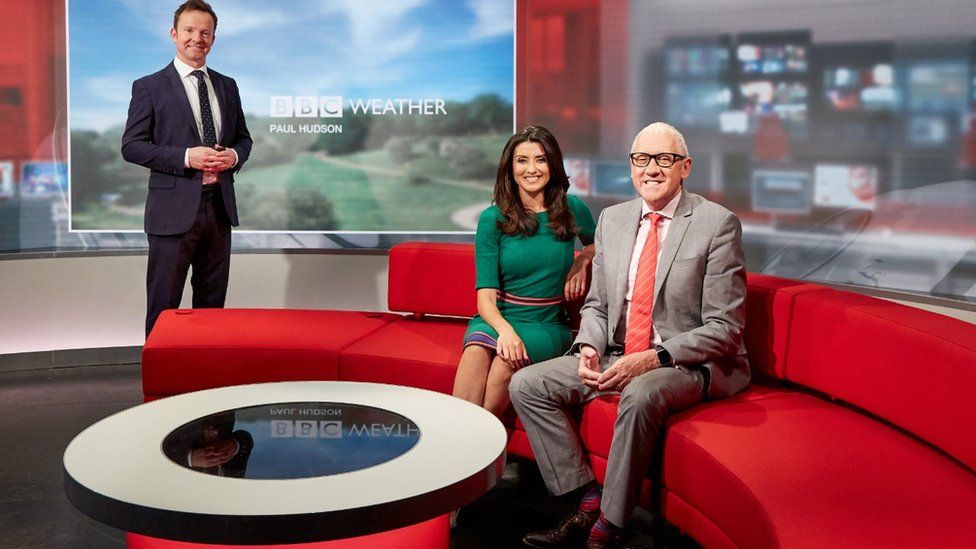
[305,428]
[306,106]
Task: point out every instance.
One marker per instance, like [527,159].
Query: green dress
[529,273]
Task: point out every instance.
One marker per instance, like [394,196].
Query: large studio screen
[379,117]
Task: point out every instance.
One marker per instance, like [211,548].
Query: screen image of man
[662,327]
[186,125]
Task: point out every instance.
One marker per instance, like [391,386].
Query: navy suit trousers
[205,247]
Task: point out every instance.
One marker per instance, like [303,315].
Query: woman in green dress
[524,253]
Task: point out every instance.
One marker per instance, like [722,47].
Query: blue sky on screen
[446,49]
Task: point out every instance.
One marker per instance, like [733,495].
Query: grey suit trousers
[544,393]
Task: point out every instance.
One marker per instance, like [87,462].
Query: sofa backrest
[911,367]
[769,308]
[432,278]
[429,278]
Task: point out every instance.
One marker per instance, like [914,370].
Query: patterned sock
[591,499]
[603,530]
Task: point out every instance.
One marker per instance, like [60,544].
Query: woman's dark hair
[516,220]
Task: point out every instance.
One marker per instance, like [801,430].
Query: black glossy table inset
[291,440]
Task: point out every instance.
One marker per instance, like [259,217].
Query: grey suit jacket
[700,288]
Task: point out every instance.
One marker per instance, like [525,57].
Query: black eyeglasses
[663,160]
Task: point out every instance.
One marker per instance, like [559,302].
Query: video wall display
[698,104]
[579,171]
[787,100]
[937,100]
[612,179]
[861,88]
[44,179]
[938,86]
[845,186]
[794,97]
[772,76]
[6,180]
[772,55]
[698,90]
[698,58]
[858,79]
[781,191]
[729,82]
[834,145]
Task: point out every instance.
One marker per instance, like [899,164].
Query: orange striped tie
[642,297]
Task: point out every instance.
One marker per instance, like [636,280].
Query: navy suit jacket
[160,128]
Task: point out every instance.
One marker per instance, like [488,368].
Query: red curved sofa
[858,431]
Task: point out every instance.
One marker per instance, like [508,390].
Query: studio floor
[42,410]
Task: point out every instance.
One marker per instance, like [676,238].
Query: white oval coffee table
[313,461]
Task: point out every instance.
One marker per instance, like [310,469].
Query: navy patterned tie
[206,114]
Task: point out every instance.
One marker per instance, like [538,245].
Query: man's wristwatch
[664,357]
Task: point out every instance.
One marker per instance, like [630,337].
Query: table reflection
[291,440]
[211,445]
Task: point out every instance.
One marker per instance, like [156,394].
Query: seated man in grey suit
[662,326]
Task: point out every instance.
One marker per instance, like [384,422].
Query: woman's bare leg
[496,389]
[472,372]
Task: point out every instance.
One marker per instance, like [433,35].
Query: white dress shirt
[190,85]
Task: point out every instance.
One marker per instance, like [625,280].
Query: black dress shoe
[574,529]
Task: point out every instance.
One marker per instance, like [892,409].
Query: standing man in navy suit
[187,126]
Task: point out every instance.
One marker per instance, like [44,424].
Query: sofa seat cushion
[774,467]
[418,353]
[194,349]
[596,424]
